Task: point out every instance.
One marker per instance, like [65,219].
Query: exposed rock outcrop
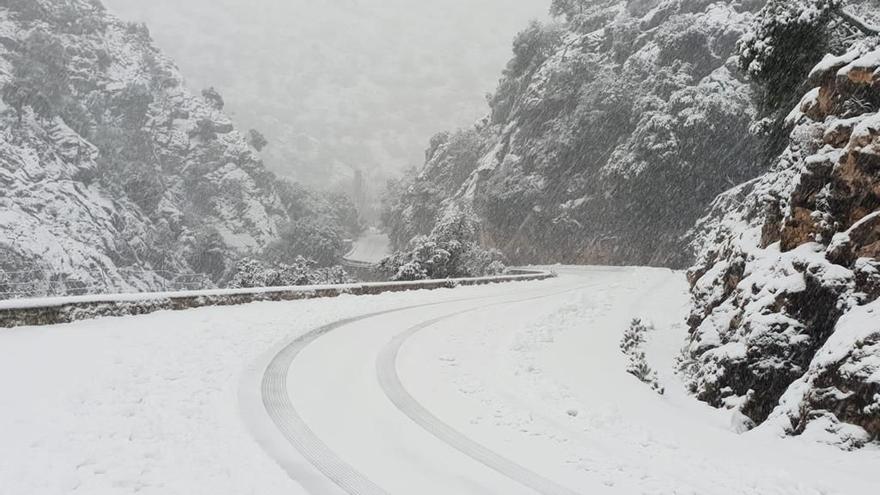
[786,323]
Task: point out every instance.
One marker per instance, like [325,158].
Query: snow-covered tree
[451,250]
[531,47]
[634,336]
[410,208]
[587,15]
[40,77]
[213,97]
[632,345]
[251,273]
[257,140]
[311,238]
[568,8]
[788,38]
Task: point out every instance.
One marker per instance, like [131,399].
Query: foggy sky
[341,84]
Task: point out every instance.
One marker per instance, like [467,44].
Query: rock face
[608,137]
[113,176]
[786,322]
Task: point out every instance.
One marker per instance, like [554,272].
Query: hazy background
[339,85]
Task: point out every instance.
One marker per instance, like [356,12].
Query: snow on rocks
[843,380]
[787,279]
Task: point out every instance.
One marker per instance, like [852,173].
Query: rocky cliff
[113,175]
[609,134]
[786,321]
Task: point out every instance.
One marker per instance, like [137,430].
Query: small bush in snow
[633,337]
[631,345]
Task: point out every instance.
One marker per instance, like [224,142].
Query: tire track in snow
[389,379]
[276,400]
[284,415]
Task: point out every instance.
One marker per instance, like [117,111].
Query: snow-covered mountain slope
[609,135]
[114,176]
[786,321]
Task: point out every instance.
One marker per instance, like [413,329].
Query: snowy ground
[526,378]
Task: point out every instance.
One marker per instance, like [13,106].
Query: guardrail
[358,264]
[50,311]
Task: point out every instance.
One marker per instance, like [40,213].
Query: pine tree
[631,346]
[569,9]
[257,140]
[213,97]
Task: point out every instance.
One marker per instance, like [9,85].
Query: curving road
[369,249]
[389,379]
[281,382]
[515,389]
[335,396]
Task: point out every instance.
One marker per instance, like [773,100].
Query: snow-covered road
[509,389]
[370,248]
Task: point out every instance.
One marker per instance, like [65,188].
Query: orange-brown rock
[799,229]
[825,192]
